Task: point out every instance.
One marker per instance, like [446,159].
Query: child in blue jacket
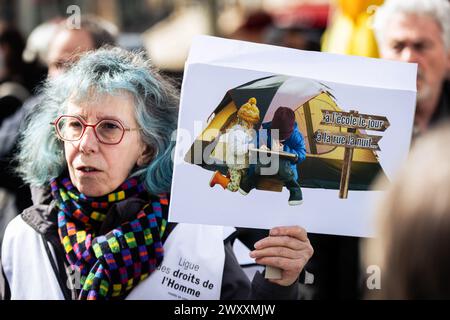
[291,140]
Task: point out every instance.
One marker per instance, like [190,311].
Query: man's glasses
[107,131]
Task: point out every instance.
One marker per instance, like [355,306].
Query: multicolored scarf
[110,265]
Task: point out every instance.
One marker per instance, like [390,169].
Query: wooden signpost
[350,140]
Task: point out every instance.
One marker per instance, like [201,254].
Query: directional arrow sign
[347,140]
[351,120]
[354,120]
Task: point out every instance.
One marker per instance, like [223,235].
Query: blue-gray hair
[105,71]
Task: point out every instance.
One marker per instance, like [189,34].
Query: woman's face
[95,168]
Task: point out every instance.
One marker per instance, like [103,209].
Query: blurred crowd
[414,218]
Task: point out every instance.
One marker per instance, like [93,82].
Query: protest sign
[234,92]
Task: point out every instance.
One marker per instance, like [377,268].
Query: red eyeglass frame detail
[94,127]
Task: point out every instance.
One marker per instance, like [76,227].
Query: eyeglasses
[107,131]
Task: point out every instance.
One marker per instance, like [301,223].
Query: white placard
[217,67]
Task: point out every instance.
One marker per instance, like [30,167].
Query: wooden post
[346,167]
[351,120]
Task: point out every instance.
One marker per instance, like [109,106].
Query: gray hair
[439,10]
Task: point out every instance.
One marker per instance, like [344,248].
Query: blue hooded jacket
[294,144]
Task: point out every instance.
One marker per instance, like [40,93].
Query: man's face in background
[66,48]
[418,39]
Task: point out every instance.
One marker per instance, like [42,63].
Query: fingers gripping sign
[287,249]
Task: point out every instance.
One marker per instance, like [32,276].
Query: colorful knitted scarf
[110,265]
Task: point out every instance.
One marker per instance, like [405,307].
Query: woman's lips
[86,170]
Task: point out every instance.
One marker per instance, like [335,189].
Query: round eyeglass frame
[94,127]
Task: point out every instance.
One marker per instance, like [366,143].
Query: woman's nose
[89,142]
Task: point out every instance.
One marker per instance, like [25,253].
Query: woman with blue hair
[98,155]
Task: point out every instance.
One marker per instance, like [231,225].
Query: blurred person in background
[69,43]
[35,52]
[296,37]
[412,244]
[38,41]
[65,47]
[13,88]
[410,31]
[413,264]
[299,26]
[418,31]
[13,69]
[254,27]
[17,80]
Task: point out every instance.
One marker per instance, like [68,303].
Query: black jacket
[443,110]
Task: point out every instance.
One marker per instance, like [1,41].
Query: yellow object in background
[349,31]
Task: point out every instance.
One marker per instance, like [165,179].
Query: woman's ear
[146,156]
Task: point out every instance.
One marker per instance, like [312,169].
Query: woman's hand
[286,248]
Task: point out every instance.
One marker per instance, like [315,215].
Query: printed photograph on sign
[275,132]
[270,136]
